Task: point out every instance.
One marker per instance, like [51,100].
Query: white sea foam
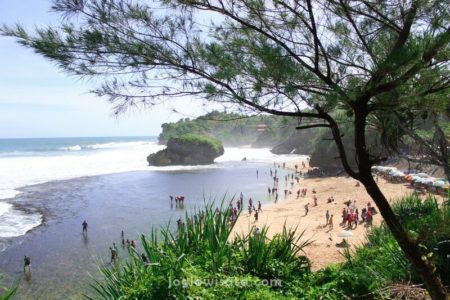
[16,172]
[113,145]
[20,171]
[71,148]
[4,207]
[16,223]
[254,155]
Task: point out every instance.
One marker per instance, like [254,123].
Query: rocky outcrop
[188,149]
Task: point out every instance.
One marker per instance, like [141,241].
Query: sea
[49,186]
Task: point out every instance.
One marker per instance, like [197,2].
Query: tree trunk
[409,247]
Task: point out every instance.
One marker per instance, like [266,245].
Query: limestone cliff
[188,149]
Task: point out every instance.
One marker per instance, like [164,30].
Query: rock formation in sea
[188,149]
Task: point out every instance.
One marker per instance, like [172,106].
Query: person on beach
[344,216]
[257,174]
[85,225]
[363,214]
[315,200]
[256,215]
[306,209]
[356,219]
[250,202]
[330,222]
[276,197]
[327,217]
[285,193]
[269,190]
[26,263]
[121,234]
[123,242]
[369,217]
[349,221]
[298,193]
[171,198]
[259,206]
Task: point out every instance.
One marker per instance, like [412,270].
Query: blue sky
[38,100]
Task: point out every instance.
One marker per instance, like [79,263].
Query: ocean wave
[113,145]
[16,223]
[7,194]
[70,148]
[4,207]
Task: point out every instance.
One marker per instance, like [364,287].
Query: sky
[39,100]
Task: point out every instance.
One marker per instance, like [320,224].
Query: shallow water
[63,261]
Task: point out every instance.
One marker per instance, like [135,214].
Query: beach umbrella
[423,175]
[410,177]
[428,181]
[416,178]
[393,172]
[398,174]
[440,183]
[345,234]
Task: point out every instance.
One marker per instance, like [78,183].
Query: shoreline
[290,211]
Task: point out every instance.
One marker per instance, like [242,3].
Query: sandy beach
[290,210]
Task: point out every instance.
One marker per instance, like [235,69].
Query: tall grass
[7,293]
[274,258]
[204,248]
[207,249]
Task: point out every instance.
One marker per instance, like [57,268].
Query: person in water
[85,225]
[27,263]
[144,259]
[113,254]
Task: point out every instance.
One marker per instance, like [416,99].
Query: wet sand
[323,250]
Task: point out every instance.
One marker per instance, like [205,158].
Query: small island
[188,149]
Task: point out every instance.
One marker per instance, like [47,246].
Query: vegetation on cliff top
[187,149]
[231,128]
[197,139]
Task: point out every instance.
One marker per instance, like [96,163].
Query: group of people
[179,200]
[301,192]
[351,217]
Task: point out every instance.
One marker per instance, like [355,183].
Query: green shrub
[204,250]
